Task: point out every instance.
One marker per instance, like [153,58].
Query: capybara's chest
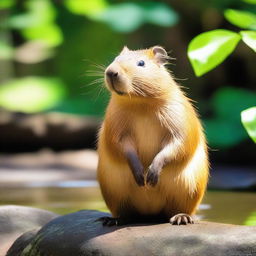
[149,137]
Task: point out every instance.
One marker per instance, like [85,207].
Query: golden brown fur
[152,118]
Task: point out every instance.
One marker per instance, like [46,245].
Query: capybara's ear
[160,54]
[125,49]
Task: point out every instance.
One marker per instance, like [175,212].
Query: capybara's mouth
[114,88]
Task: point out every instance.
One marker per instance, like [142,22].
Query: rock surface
[15,220]
[81,234]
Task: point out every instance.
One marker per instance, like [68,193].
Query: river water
[66,197]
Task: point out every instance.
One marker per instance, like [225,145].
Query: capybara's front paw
[181,219]
[152,175]
[139,178]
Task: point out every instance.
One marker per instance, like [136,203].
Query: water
[67,197]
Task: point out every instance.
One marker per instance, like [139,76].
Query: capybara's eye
[141,63]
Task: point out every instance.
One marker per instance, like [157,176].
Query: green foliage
[6,4]
[209,49]
[251,220]
[88,7]
[228,102]
[83,25]
[126,17]
[49,34]
[249,37]
[222,133]
[31,94]
[35,20]
[248,117]
[159,14]
[38,12]
[250,1]
[241,19]
[83,105]
[6,51]
[225,129]
[38,23]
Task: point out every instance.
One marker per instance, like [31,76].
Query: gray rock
[21,243]
[15,220]
[81,234]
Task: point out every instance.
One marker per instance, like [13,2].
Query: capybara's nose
[112,74]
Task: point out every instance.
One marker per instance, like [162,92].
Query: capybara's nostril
[112,74]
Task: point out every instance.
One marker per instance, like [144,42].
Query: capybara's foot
[110,221]
[181,219]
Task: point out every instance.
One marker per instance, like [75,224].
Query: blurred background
[51,104]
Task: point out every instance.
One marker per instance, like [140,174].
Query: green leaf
[249,37]
[225,128]
[159,14]
[228,102]
[38,23]
[83,106]
[39,13]
[127,17]
[88,7]
[209,49]
[31,94]
[242,19]
[6,4]
[6,51]
[250,1]
[223,133]
[248,117]
[50,34]
[251,220]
